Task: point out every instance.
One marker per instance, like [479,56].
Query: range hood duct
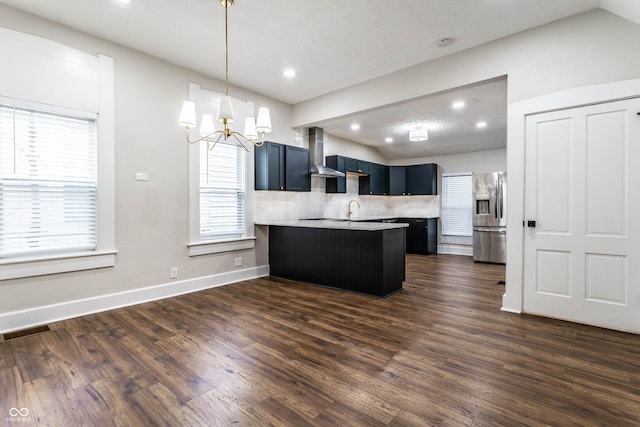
[316,148]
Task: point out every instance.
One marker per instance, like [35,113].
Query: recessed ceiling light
[457,105]
[122,1]
[355,126]
[481,125]
[388,140]
[289,73]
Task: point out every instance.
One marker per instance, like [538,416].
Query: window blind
[457,205]
[222,191]
[48,182]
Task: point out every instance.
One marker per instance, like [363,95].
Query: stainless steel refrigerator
[490,217]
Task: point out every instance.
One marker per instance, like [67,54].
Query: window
[457,205]
[48,182]
[222,191]
[57,207]
[220,207]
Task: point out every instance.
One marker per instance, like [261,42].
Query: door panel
[554,273]
[606,150]
[582,259]
[553,186]
[606,278]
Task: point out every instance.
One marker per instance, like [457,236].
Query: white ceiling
[332,44]
[451,131]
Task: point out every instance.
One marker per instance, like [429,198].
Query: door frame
[512,300]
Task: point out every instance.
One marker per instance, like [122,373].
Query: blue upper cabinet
[377,182]
[297,167]
[281,167]
[336,185]
[376,179]
[421,179]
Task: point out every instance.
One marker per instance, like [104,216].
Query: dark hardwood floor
[276,352]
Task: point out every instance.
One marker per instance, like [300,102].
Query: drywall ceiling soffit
[451,131]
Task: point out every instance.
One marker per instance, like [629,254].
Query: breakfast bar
[359,256]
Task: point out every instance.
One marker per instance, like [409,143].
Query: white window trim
[195,246]
[456,240]
[105,254]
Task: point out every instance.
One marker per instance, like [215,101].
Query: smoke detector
[444,42]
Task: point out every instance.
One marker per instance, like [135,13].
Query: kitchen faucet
[349,213]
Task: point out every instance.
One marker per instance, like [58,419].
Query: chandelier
[225,115]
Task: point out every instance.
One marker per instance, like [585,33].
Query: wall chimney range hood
[316,149]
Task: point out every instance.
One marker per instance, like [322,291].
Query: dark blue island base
[370,262]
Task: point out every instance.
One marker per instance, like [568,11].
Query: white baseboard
[25,319]
[511,310]
[455,250]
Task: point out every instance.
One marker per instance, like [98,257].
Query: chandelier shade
[188,114]
[264,120]
[250,130]
[207,127]
[225,110]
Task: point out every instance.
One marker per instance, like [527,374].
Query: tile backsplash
[287,205]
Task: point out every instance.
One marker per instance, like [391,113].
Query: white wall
[334,145]
[479,161]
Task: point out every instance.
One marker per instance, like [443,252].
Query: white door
[582,189]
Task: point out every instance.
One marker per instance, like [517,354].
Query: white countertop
[358,224]
[353,218]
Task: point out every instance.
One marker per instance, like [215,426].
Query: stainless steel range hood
[316,148]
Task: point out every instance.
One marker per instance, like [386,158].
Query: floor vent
[25,332]
[500,282]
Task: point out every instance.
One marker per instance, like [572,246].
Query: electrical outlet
[237,262]
[174,272]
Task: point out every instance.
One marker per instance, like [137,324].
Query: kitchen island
[365,257]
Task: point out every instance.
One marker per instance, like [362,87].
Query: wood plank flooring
[277,352]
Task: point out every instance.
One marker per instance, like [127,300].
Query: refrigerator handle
[500,189]
[497,195]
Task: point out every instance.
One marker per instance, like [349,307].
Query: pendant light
[253,128]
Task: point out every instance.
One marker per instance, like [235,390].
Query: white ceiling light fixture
[355,126]
[388,140]
[225,111]
[289,73]
[481,125]
[418,134]
[458,105]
